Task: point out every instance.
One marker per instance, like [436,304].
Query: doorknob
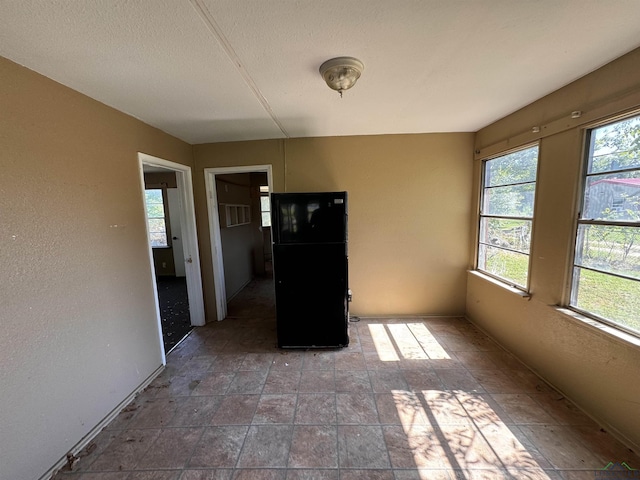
[189,260]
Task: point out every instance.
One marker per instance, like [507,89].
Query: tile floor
[409,399]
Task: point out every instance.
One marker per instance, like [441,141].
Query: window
[237,215]
[265,206]
[154,202]
[606,271]
[506,216]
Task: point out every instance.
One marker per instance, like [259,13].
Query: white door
[191,255]
[175,220]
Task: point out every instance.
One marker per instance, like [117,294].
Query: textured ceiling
[227,70]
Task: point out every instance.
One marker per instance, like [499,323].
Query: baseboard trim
[613,431]
[417,316]
[86,440]
[239,290]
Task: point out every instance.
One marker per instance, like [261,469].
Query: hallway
[409,399]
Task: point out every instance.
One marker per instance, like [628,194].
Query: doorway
[234,201]
[173,248]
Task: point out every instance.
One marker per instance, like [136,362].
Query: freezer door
[309,217]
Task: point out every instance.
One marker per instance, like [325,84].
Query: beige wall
[595,370]
[79,329]
[409,211]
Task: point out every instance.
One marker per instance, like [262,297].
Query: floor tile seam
[244,441]
[382,432]
[186,461]
[535,424]
[212,395]
[535,445]
[551,412]
[585,444]
[123,470]
[169,427]
[324,468]
[497,454]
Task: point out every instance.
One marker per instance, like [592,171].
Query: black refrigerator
[310,266]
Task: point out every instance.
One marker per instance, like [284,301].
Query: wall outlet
[164,264]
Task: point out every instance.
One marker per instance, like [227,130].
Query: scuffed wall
[592,368]
[79,329]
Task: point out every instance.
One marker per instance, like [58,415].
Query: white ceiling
[227,70]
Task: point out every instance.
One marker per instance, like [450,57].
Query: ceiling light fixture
[341,73]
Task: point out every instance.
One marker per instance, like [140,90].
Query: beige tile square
[125,450]
[317,381]
[314,447]
[356,408]
[266,446]
[562,448]
[219,447]
[522,409]
[362,447]
[316,408]
[236,410]
[279,408]
[171,449]
[282,381]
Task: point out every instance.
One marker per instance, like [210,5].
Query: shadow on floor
[423,398]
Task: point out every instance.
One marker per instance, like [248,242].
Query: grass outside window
[506,216]
[606,273]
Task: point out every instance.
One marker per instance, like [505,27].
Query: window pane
[265,204]
[266,219]
[511,234]
[157,225]
[153,195]
[504,264]
[512,201]
[609,248]
[616,146]
[613,197]
[158,239]
[516,167]
[613,298]
[155,211]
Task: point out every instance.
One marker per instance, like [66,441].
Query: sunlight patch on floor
[406,342]
[411,341]
[459,430]
[384,345]
[428,342]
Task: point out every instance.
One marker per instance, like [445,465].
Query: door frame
[214,226]
[184,183]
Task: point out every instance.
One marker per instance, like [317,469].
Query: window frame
[524,289]
[572,284]
[163,218]
[236,215]
[264,193]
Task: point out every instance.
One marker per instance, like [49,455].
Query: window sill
[600,327]
[509,288]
